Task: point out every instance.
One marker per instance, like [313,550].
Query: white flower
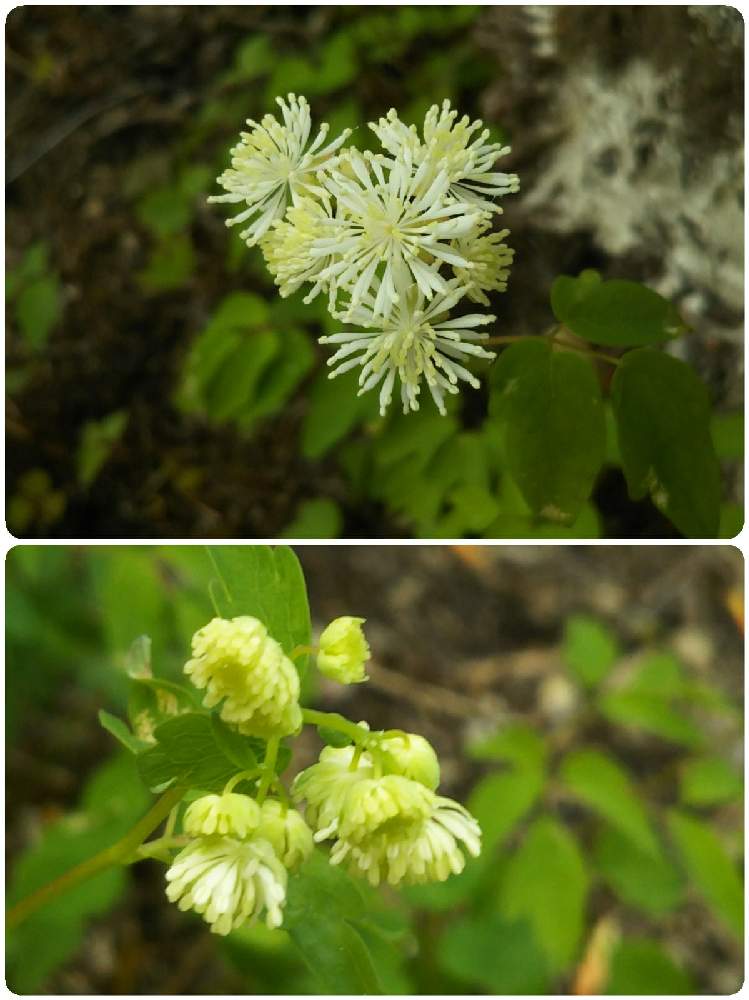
[228,882]
[396,829]
[286,830]
[387,223]
[417,341]
[230,813]
[239,664]
[344,651]
[326,784]
[273,163]
[287,245]
[449,145]
[491,259]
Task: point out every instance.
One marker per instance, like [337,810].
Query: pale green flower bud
[343,651]
[413,757]
[326,784]
[388,803]
[237,663]
[228,882]
[286,831]
[230,814]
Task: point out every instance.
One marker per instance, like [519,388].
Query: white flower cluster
[396,239]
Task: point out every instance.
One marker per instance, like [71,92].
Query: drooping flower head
[390,225]
[417,342]
[343,651]
[229,814]
[287,831]
[413,757]
[228,882]
[273,164]
[326,784]
[240,666]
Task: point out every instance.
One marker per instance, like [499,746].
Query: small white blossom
[417,341]
[273,163]
[491,260]
[389,224]
[228,882]
[231,813]
[239,665]
[287,247]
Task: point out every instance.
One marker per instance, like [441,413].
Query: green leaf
[500,801]
[709,868]
[708,781]
[170,265]
[519,744]
[98,438]
[662,413]
[727,432]
[189,753]
[590,649]
[731,520]
[550,402]
[319,518]
[165,211]
[265,582]
[640,967]
[546,883]
[277,382]
[500,957]
[120,731]
[333,737]
[614,313]
[650,883]
[323,905]
[334,410]
[38,309]
[603,785]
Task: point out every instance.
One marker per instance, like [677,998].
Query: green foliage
[662,413]
[496,955]
[243,366]
[320,518]
[642,967]
[546,883]
[167,210]
[98,438]
[640,878]
[709,868]
[112,801]
[550,403]
[334,410]
[709,781]
[604,785]
[35,292]
[590,649]
[170,265]
[614,313]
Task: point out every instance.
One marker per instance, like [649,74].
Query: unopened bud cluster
[396,239]
[375,801]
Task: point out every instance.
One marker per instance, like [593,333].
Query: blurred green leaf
[641,967]
[322,907]
[165,211]
[170,265]
[520,744]
[268,583]
[641,879]
[499,802]
[39,308]
[602,784]
[708,781]
[318,518]
[550,403]
[546,883]
[500,957]
[731,520]
[590,649]
[334,409]
[709,868]
[727,432]
[98,438]
[614,313]
[662,413]
[121,733]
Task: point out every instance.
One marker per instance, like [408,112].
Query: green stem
[269,768]
[116,854]
[242,776]
[508,339]
[551,336]
[332,720]
[298,651]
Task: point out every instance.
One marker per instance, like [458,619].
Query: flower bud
[237,663]
[413,757]
[343,651]
[229,814]
[286,831]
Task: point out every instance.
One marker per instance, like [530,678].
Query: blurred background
[586,702]
[158,387]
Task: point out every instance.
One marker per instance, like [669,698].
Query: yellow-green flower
[286,830]
[413,757]
[228,814]
[240,666]
[326,784]
[344,651]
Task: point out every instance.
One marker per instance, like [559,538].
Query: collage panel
[385,769]
[470,288]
